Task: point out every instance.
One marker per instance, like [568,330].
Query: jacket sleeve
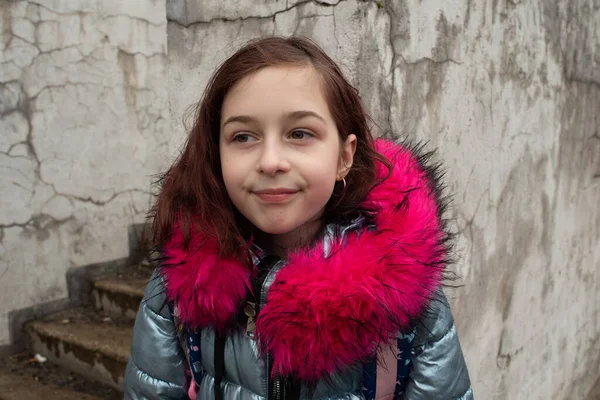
[438,370]
[156,368]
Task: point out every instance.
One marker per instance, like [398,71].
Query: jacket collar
[334,304]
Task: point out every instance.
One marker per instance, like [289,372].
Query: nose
[273,158]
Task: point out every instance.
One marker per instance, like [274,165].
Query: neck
[282,244]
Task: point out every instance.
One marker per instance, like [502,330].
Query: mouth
[276,195]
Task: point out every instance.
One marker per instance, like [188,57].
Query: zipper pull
[250,311]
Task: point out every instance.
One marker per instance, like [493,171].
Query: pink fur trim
[324,314]
[208,290]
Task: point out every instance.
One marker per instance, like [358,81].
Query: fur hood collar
[327,313]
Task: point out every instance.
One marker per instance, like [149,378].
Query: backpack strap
[195,356]
[404,356]
[190,344]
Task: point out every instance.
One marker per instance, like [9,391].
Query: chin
[277,228]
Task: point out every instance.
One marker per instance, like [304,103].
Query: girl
[299,257]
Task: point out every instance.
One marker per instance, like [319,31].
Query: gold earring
[344,188]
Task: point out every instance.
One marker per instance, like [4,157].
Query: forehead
[274,90]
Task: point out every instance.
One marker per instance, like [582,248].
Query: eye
[243,138]
[300,134]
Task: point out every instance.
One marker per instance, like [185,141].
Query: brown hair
[193,193]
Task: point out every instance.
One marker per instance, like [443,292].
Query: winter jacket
[358,315]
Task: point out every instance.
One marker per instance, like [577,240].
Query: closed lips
[275,195]
[275,191]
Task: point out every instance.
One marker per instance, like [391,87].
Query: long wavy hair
[192,193]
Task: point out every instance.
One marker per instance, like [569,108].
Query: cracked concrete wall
[509,91]
[83,126]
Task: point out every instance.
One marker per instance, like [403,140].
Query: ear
[347,156]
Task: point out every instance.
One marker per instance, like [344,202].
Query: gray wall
[509,91]
[83,125]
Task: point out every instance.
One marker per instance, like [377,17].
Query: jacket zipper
[277,393]
[274,387]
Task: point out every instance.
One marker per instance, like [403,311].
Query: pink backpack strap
[387,372]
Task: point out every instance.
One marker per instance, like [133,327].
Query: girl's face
[281,152]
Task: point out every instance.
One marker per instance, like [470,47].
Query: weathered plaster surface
[509,91]
[83,126]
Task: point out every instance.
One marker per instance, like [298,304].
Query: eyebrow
[294,116]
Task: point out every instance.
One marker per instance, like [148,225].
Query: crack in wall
[71,198]
[387,96]
[310,18]
[429,60]
[582,81]
[61,48]
[335,28]
[101,203]
[254,17]
[7,154]
[95,12]
[35,220]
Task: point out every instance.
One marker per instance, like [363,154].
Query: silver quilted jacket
[157,367]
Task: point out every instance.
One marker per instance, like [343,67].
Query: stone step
[84,341]
[14,387]
[119,295]
[22,378]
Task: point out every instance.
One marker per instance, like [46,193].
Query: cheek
[232,188]
[323,177]
[228,165]
[229,177]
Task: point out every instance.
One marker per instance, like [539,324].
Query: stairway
[87,348]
